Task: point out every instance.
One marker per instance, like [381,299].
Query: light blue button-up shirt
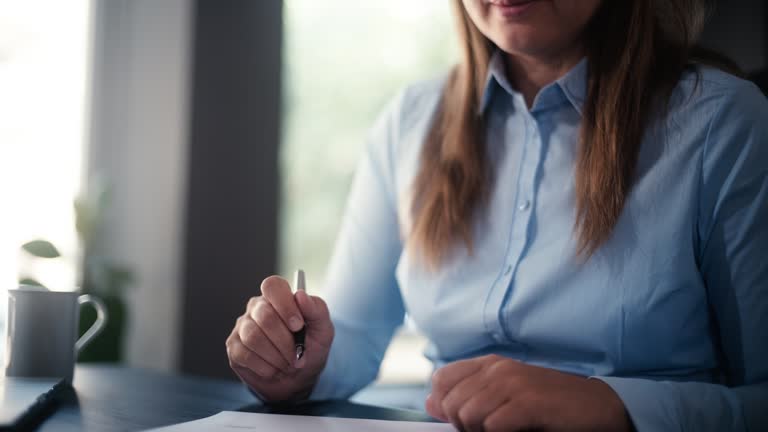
[671,312]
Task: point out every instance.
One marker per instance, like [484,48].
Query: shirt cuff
[659,406]
[332,383]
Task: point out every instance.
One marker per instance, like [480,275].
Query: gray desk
[111,398]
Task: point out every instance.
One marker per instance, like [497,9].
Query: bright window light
[43,74]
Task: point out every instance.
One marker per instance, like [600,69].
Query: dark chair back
[761,79]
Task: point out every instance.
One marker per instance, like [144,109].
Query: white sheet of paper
[230,421]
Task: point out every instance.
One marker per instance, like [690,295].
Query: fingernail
[298,364]
[295,323]
[301,294]
[428,404]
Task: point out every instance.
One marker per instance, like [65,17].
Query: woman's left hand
[495,393]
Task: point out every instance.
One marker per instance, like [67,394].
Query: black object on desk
[27,402]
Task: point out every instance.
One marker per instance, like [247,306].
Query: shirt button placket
[529,166]
[525,189]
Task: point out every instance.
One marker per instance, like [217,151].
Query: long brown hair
[637,51]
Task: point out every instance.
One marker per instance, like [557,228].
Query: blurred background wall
[186,124]
[139,149]
[226,134]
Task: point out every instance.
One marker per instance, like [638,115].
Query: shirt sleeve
[733,253]
[361,291]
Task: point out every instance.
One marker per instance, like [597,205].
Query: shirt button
[498,337]
[507,270]
[524,205]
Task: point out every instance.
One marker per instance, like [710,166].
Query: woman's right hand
[261,348]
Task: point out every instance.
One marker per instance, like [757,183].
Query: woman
[576,219]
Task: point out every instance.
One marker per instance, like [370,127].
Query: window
[344,60]
[43,64]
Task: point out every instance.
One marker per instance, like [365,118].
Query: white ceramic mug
[41,331]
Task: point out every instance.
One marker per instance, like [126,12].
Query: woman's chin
[521,41]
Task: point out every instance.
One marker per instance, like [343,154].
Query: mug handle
[98,325]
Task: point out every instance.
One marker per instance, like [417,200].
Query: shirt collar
[572,86]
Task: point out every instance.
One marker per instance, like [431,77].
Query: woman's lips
[512,8]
